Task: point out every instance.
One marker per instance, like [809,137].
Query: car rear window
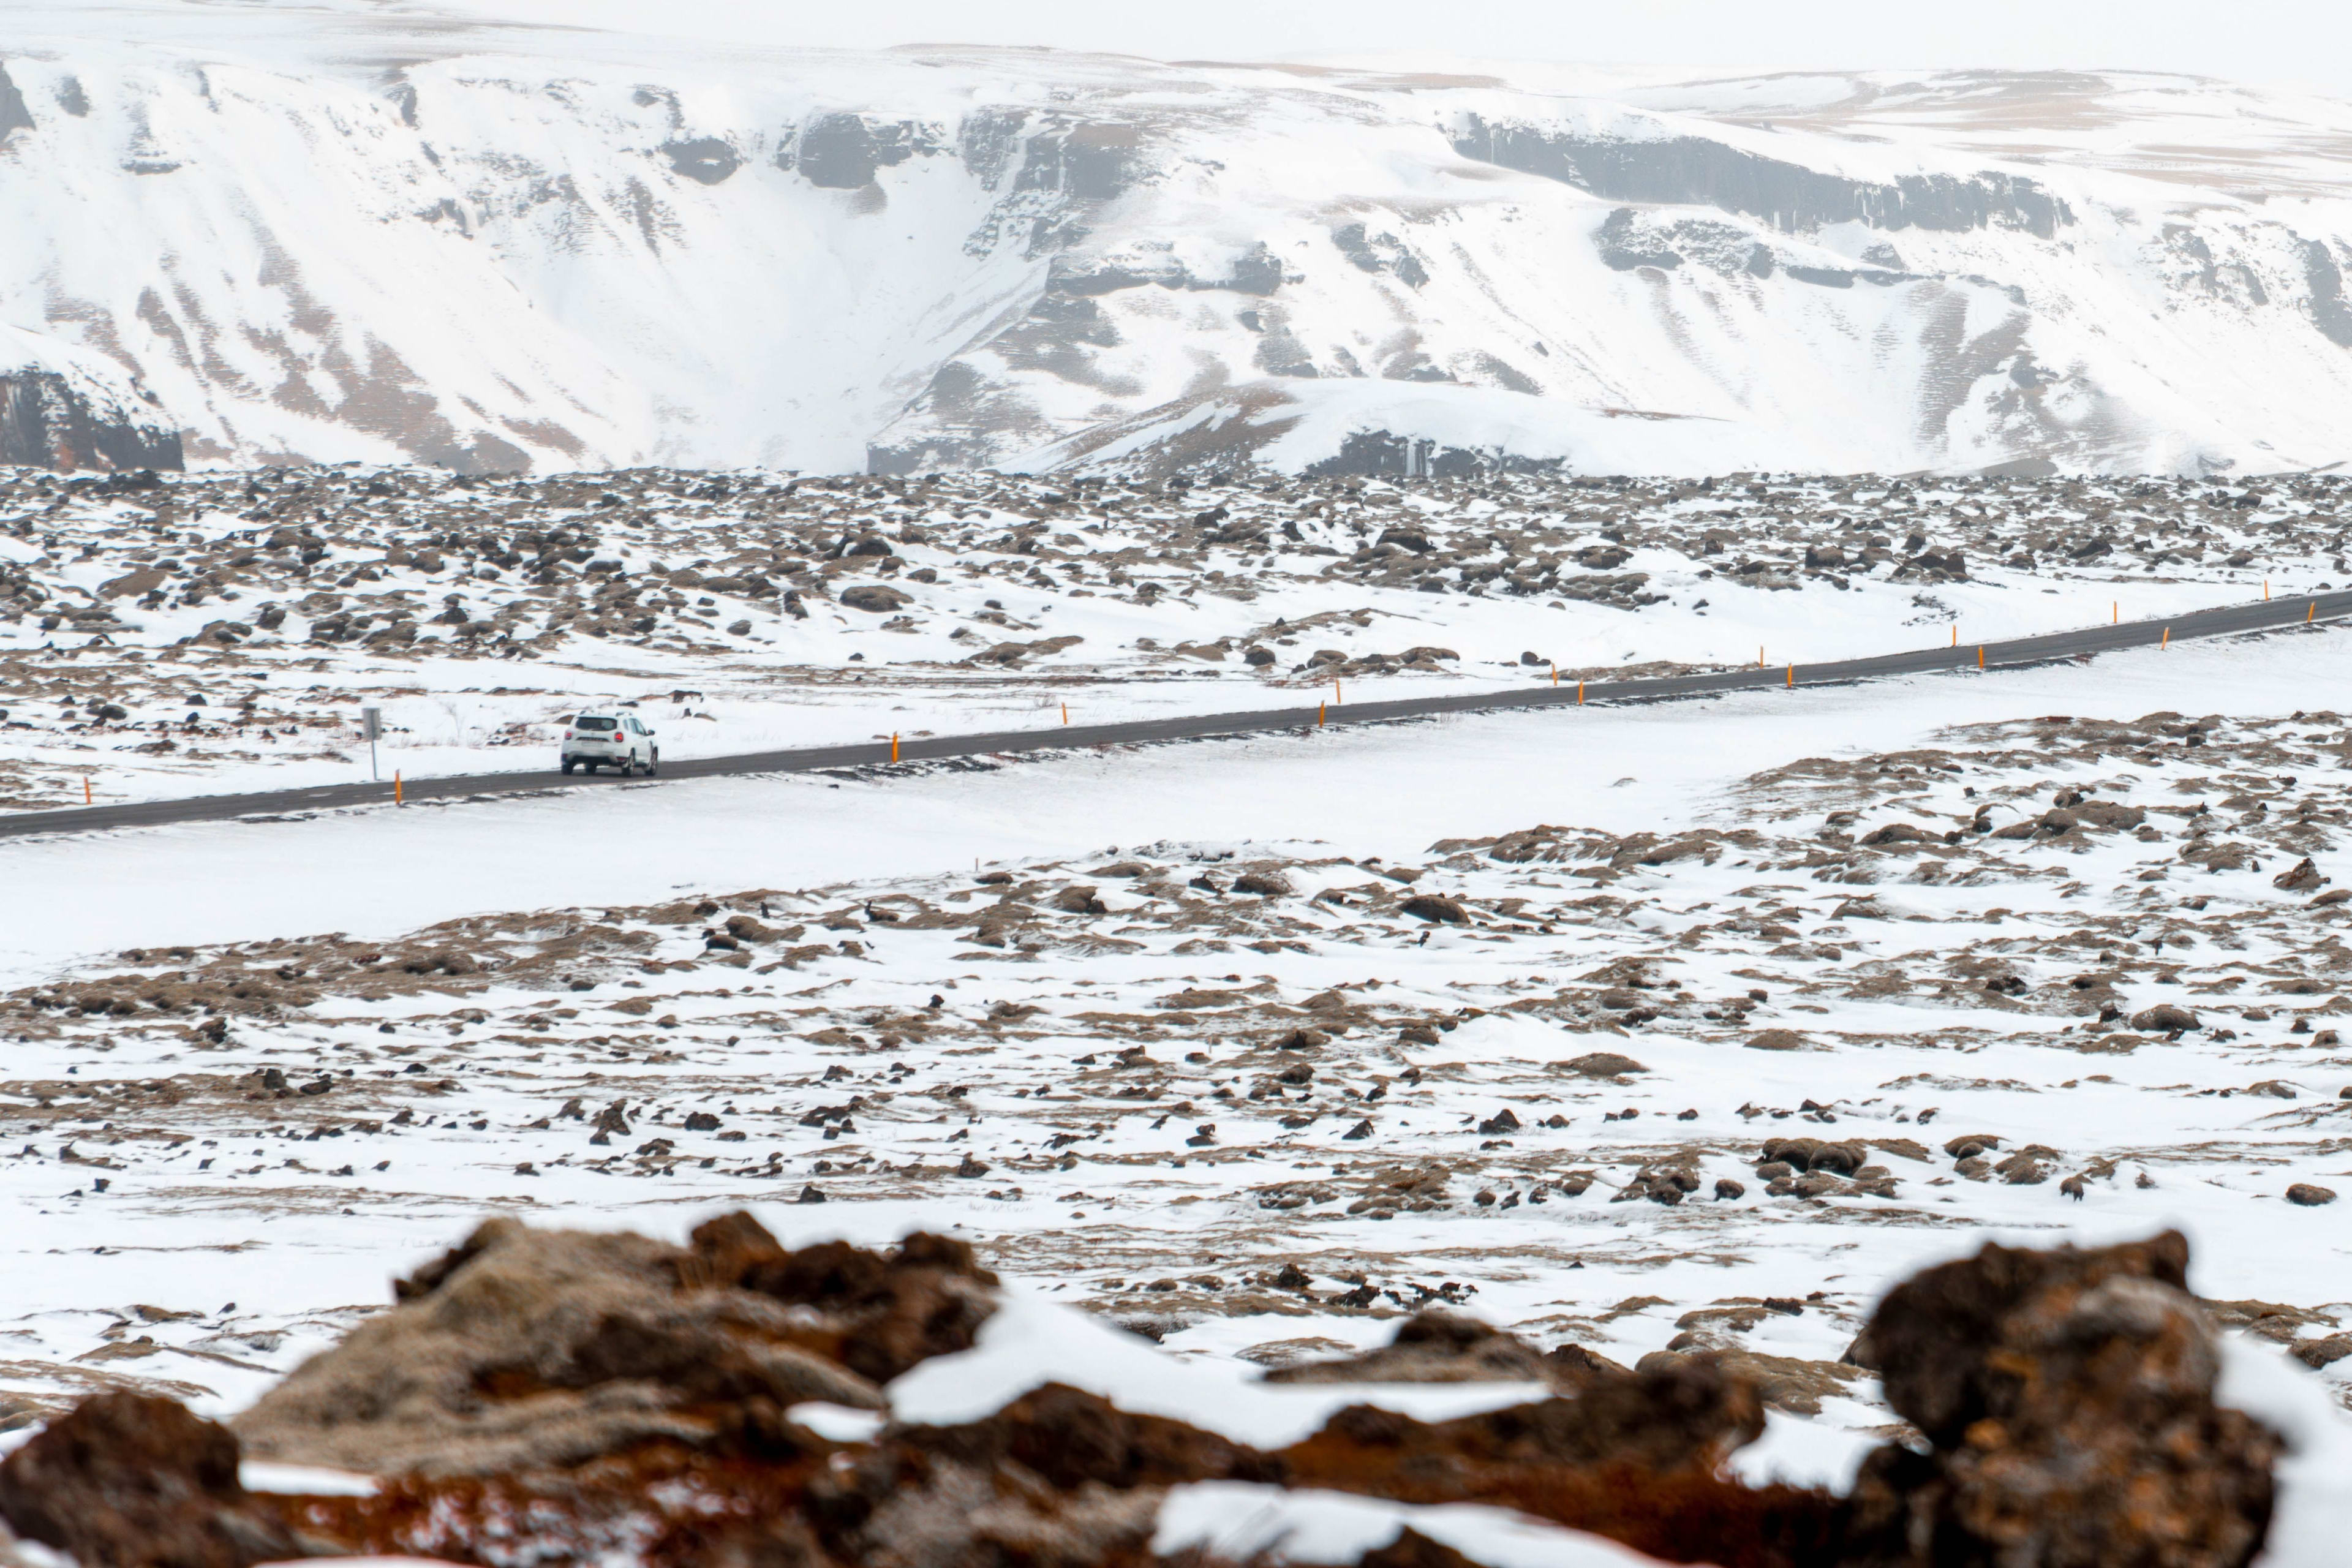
[586,723]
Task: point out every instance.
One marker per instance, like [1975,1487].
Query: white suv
[616,741]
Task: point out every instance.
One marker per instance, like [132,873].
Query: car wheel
[626,767]
[567,765]
[592,767]
[653,763]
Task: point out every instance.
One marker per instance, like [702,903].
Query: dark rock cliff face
[1380,454]
[14,114]
[1690,171]
[2329,309]
[45,422]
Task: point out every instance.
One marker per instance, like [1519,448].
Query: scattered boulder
[1789,1384]
[1775,1040]
[875,598]
[2163,1018]
[1431,1346]
[2300,878]
[2303,1195]
[2320,1354]
[1816,1154]
[2028,1167]
[1601,1063]
[1079,901]
[1663,1184]
[1437,909]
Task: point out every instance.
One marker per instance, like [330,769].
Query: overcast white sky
[2304,43]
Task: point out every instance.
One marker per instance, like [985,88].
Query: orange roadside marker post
[2118,613]
[85,789]
[893,746]
[2266,590]
[1793,678]
[1065,712]
[1956,633]
[1579,694]
[1980,656]
[395,787]
[2307,609]
[1321,709]
[2167,638]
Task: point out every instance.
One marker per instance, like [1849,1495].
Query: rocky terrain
[1522,1194]
[413,236]
[188,634]
[552,1396]
[1638,1094]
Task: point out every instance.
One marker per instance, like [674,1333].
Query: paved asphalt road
[2235,619]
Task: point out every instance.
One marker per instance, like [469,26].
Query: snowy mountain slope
[330,236]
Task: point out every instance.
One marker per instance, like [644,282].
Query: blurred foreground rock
[555,1397]
[131,1481]
[526,1349]
[2069,1399]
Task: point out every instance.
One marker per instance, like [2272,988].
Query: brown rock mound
[130,1482]
[1632,1456]
[2069,1397]
[525,1350]
[1431,1346]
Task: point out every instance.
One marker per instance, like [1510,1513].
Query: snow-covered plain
[1101,1098]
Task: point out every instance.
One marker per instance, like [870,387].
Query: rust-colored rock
[1689,1416]
[1633,1455]
[2069,1399]
[124,1480]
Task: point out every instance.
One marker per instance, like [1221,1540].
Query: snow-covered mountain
[333,234]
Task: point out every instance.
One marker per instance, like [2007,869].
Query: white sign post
[371,724]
